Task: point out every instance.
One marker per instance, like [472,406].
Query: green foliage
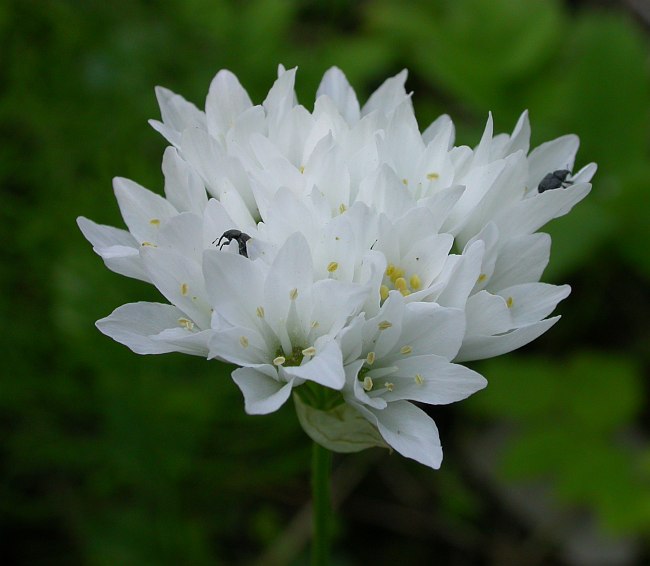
[572,418]
[111,458]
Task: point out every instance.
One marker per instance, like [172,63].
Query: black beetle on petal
[555,180]
[240,237]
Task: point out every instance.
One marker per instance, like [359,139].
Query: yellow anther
[342,208]
[482,277]
[384,324]
[259,311]
[433,176]
[399,272]
[186,323]
[184,289]
[149,244]
[419,379]
[154,222]
[301,168]
[390,269]
[401,284]
[383,292]
[315,324]
[293,294]
[415,282]
[405,182]
[332,266]
[509,302]
[405,292]
[279,360]
[367,383]
[405,350]
[311,351]
[243,341]
[390,386]
[370,358]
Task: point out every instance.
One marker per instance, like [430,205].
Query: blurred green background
[111,458]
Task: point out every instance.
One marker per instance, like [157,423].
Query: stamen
[279,360]
[311,351]
[384,324]
[419,379]
[390,269]
[332,266]
[400,283]
[243,341]
[415,282]
[370,358]
[367,383]
[509,302]
[184,289]
[433,176]
[315,324]
[259,311]
[390,386]
[342,208]
[405,182]
[482,277]
[186,323]
[154,222]
[293,294]
[383,292]
[301,168]
[149,244]
[405,350]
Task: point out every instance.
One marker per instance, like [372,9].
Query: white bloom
[340,253]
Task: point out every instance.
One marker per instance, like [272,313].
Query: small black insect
[240,237]
[555,180]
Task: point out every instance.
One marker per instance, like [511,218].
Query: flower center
[396,278]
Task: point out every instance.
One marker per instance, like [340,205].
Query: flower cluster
[340,254]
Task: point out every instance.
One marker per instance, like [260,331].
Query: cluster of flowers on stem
[340,256]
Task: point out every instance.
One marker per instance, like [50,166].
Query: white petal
[226,100]
[136,324]
[462,277]
[177,113]
[142,210]
[242,346]
[290,274]
[428,328]
[335,85]
[118,248]
[531,302]
[388,96]
[180,280]
[326,367]
[440,124]
[532,213]
[487,314]
[183,186]
[409,430]
[234,286]
[482,347]
[550,156]
[520,260]
[186,342]
[263,393]
[438,382]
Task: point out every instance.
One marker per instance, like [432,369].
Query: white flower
[340,253]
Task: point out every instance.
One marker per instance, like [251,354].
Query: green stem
[321,464]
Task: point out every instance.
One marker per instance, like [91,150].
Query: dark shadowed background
[109,458]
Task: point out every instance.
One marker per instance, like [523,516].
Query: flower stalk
[321,465]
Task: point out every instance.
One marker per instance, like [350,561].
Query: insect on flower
[555,180]
[240,237]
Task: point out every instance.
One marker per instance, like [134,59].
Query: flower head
[340,254]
